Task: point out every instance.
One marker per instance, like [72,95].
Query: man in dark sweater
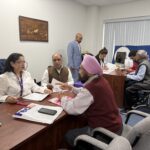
[57,71]
[95,100]
[138,80]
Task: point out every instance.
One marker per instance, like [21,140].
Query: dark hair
[11,58]
[82,55]
[103,51]
[132,53]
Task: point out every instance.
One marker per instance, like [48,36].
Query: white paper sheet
[111,68]
[56,88]
[32,114]
[35,96]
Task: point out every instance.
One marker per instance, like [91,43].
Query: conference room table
[116,79]
[17,134]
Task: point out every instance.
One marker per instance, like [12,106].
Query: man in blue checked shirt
[74,56]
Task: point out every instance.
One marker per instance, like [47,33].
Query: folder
[31,113]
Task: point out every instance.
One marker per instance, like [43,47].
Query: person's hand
[130,70]
[47,91]
[121,72]
[124,73]
[11,99]
[49,86]
[65,86]
[105,67]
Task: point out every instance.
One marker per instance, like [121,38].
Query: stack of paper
[32,114]
[35,96]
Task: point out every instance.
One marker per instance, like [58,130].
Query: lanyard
[21,84]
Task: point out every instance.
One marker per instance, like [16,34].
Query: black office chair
[143,102]
[38,83]
[2,65]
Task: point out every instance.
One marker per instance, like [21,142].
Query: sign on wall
[33,29]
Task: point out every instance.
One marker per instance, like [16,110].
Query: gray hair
[142,53]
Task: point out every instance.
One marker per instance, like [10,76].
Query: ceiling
[103,2]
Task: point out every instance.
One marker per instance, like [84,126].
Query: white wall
[132,9]
[65,18]
[92,27]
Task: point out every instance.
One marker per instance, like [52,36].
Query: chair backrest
[143,102]
[139,135]
[121,54]
[85,142]
[119,143]
[2,64]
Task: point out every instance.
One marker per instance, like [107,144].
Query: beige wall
[65,18]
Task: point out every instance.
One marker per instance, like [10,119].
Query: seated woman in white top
[15,82]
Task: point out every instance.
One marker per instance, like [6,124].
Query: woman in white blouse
[15,82]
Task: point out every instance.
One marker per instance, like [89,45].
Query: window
[122,32]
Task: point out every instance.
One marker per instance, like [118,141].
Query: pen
[20,112]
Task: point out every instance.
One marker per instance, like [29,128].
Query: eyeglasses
[56,59]
[20,62]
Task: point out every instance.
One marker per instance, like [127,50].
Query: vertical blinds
[136,32]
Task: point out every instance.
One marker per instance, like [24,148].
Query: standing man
[74,56]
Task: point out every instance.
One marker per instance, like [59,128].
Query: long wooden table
[116,80]
[17,134]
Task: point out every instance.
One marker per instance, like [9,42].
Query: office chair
[2,65]
[143,102]
[120,55]
[85,142]
[38,83]
[138,135]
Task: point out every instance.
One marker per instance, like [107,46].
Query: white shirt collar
[91,79]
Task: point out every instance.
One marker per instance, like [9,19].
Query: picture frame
[33,29]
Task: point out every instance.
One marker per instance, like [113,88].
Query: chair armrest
[136,112]
[90,140]
[105,132]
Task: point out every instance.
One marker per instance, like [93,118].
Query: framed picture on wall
[33,29]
